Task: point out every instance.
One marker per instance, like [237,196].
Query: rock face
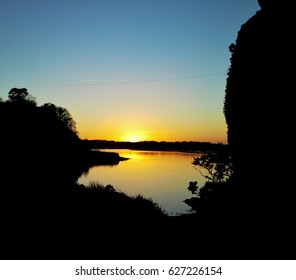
[259,108]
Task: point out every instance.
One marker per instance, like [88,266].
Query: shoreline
[186,147]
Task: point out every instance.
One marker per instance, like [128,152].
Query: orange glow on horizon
[133,137]
[132,131]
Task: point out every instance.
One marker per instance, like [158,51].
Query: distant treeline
[190,146]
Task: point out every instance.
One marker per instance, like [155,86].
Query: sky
[126,70]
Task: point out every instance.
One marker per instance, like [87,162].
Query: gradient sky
[126,70]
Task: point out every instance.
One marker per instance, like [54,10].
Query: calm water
[161,176]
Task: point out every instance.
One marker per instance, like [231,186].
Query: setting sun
[133,135]
[132,138]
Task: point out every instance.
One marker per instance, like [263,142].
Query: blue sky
[125,69]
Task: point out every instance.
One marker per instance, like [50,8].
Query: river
[161,176]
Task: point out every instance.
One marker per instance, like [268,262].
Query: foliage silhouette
[258,111]
[218,166]
[193,188]
[59,114]
[217,169]
[20,95]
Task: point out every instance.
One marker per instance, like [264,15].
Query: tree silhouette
[60,114]
[20,95]
[44,135]
[258,108]
[258,85]
[217,169]
[16,94]
[217,166]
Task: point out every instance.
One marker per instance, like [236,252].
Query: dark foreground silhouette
[46,215]
[259,114]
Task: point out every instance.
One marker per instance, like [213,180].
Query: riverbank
[97,157]
[188,146]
